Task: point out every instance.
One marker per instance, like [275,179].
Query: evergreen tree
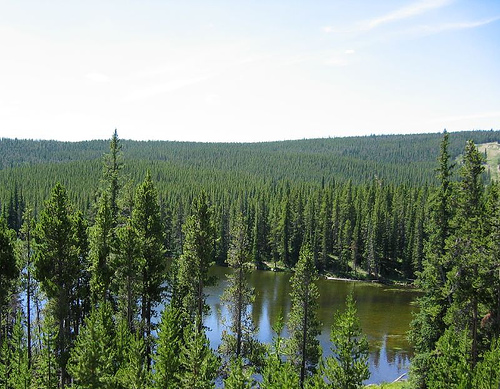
[303,347]
[347,367]
[128,271]
[428,325]
[56,267]
[278,373]
[239,296]
[92,359]
[9,270]
[239,377]
[146,220]
[101,251]
[196,259]
[170,339]
[103,232]
[26,234]
[450,367]
[487,374]
[20,373]
[198,362]
[5,366]
[467,248]
[45,361]
[284,227]
[112,166]
[133,371]
[82,296]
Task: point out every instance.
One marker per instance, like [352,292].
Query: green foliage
[19,376]
[92,361]
[133,371]
[170,340]
[450,367]
[303,348]
[487,373]
[199,365]
[278,373]
[8,266]
[57,267]
[129,263]
[238,297]
[147,223]
[428,324]
[45,362]
[196,259]
[101,241]
[240,377]
[347,367]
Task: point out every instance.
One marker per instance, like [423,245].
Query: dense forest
[90,245]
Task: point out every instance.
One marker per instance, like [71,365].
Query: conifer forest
[106,249]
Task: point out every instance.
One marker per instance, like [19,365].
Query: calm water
[384,313]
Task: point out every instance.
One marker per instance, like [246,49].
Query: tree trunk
[304,339]
[240,303]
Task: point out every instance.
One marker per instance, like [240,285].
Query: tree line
[79,299]
[79,287]
[456,331]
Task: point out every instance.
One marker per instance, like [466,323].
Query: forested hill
[392,158]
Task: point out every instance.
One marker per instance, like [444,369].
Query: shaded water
[384,313]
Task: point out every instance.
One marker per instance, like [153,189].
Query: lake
[385,313]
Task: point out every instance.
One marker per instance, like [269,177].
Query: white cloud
[409,11]
[350,51]
[425,29]
[406,12]
[97,77]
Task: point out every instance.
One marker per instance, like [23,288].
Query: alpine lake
[384,312]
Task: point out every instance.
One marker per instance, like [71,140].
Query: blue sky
[247,70]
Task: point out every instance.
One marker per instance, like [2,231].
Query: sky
[247,71]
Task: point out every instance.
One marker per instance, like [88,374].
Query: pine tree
[45,361]
[239,376]
[92,359]
[20,372]
[56,267]
[278,373]
[198,362]
[81,294]
[101,250]
[428,325]
[487,374]
[450,367]
[26,234]
[133,372]
[146,220]
[129,263]
[303,347]
[112,166]
[170,339]
[103,232]
[347,367]
[468,251]
[9,270]
[5,366]
[239,296]
[196,259]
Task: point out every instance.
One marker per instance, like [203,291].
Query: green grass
[492,152]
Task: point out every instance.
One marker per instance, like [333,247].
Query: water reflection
[384,313]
